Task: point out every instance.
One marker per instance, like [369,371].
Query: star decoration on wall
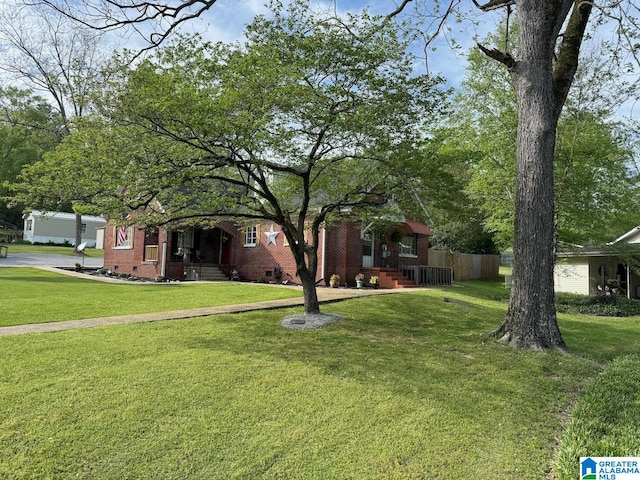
[271,236]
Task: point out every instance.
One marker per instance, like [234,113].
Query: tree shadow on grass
[419,359]
[411,345]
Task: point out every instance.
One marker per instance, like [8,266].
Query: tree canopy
[594,188]
[542,70]
[72,176]
[314,116]
[61,60]
[28,128]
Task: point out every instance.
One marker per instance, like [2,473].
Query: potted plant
[359,280]
[334,281]
[613,286]
[374,281]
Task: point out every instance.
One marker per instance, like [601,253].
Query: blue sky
[226,20]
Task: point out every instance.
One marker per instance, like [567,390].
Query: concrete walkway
[325,295]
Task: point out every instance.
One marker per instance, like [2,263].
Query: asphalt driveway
[39,259]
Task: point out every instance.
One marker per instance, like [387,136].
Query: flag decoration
[122,233]
[122,236]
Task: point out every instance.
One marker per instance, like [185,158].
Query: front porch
[613,275]
[398,255]
[191,254]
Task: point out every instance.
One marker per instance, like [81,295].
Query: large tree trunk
[306,257]
[311,303]
[531,318]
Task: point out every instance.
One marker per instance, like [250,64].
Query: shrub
[600,305]
[607,306]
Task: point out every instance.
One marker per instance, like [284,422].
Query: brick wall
[128,260]
[343,254]
[261,261]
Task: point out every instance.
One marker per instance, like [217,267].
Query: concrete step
[208,273]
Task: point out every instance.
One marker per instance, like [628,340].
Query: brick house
[260,252]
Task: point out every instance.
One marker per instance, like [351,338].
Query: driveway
[43,260]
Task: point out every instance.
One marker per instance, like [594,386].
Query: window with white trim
[123,237]
[409,246]
[251,236]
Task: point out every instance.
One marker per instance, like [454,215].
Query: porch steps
[209,274]
[389,277]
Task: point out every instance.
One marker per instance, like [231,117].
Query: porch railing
[151,253]
[424,275]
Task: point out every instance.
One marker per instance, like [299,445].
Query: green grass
[606,419]
[52,250]
[29,295]
[406,387]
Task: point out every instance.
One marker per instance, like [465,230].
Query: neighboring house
[588,270]
[260,252]
[59,227]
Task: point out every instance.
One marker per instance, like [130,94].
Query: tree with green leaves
[28,128]
[594,190]
[458,222]
[542,70]
[55,56]
[75,175]
[313,118]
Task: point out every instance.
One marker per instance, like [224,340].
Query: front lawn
[52,250]
[29,295]
[408,386]
[606,419]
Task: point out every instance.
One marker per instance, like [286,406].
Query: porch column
[163,265]
[323,253]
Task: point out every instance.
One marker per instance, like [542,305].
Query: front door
[208,246]
[367,248]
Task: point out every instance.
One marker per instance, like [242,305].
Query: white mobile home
[60,227]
